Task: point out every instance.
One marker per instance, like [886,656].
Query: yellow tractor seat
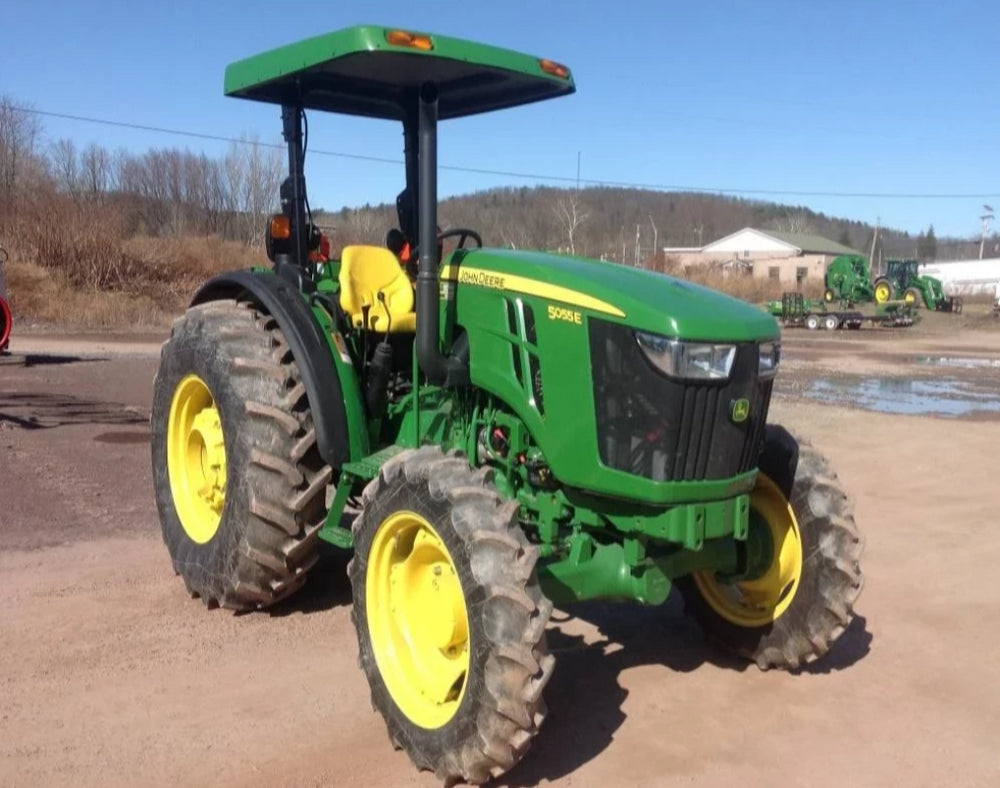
[366,271]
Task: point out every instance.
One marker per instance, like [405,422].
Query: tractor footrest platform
[368,467]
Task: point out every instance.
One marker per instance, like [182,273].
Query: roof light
[553,68]
[403,38]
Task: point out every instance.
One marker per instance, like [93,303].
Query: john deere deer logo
[739,410]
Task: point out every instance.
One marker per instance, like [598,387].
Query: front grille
[673,430]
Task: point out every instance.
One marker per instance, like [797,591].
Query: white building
[789,257]
[966,277]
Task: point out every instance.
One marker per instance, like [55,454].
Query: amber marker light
[281,228]
[403,38]
[553,68]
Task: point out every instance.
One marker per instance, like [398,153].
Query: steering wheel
[462,233]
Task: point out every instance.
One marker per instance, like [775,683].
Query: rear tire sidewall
[412,496]
[194,354]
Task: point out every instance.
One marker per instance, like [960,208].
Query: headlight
[770,355]
[690,360]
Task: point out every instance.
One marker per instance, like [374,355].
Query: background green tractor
[516,429]
[903,281]
[849,280]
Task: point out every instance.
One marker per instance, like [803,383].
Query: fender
[779,457]
[309,347]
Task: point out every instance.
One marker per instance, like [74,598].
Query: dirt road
[111,675]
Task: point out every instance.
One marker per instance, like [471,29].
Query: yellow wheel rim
[758,602]
[196,459]
[909,298]
[417,619]
[882,292]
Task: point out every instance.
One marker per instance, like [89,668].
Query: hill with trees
[116,237]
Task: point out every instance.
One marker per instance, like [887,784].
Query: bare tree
[65,165]
[571,215]
[793,222]
[252,177]
[19,135]
[95,171]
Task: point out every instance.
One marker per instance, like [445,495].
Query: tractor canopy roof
[374,71]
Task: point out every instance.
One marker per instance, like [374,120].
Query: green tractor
[848,280]
[509,430]
[903,281]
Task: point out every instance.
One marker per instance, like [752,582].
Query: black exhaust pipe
[439,368]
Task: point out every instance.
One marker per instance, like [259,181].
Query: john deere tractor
[511,429]
[903,280]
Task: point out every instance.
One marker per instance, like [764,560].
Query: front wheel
[449,616]
[911,297]
[803,575]
[883,290]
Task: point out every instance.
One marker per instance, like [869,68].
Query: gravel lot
[110,675]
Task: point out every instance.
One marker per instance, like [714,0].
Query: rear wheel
[240,486]
[830,323]
[803,576]
[812,322]
[449,616]
[883,290]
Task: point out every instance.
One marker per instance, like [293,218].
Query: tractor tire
[449,616]
[228,396]
[812,322]
[912,296]
[882,289]
[800,623]
[829,296]
[6,324]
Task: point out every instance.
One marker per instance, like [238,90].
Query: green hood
[641,299]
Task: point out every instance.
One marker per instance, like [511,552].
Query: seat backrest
[365,271]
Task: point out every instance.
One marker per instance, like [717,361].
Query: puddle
[122,437]
[958,362]
[950,398]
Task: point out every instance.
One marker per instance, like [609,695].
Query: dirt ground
[111,675]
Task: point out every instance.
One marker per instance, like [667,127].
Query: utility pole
[871,256]
[987,217]
[636,258]
[656,235]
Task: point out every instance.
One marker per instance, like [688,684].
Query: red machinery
[5,317]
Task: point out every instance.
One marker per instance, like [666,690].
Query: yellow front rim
[417,619]
[882,292]
[909,298]
[758,602]
[196,459]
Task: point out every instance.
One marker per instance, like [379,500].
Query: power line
[528,175]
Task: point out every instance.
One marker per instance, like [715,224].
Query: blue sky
[850,97]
